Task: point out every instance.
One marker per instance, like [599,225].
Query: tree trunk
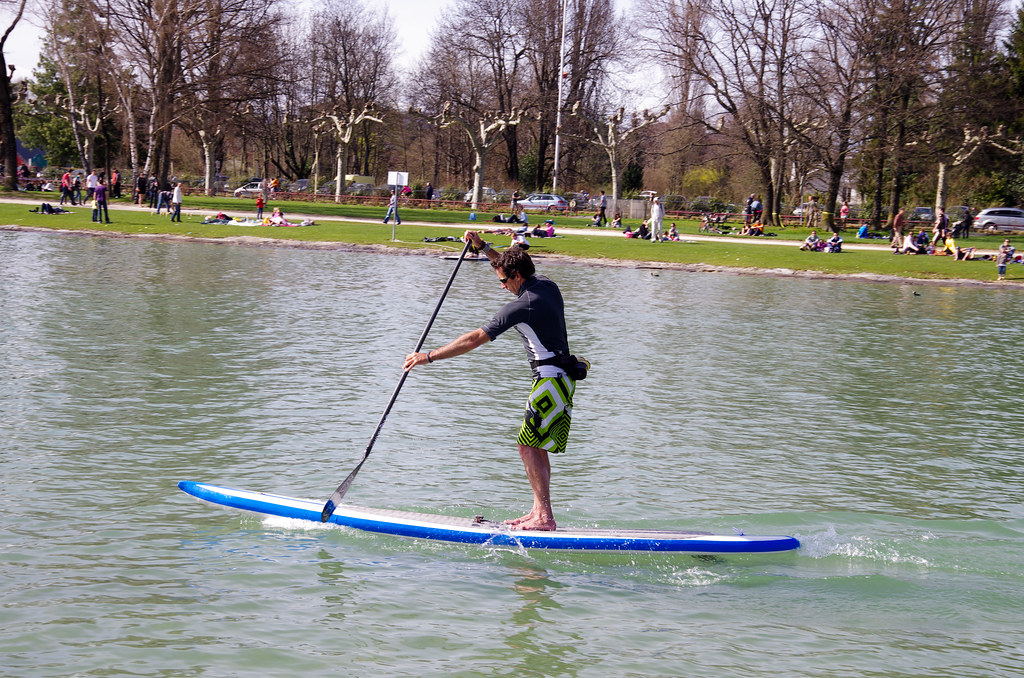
[511,136]
[772,205]
[339,171]
[896,188]
[479,157]
[7,137]
[941,188]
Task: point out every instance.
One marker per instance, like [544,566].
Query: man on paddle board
[537,313]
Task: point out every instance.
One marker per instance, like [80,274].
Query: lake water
[880,424]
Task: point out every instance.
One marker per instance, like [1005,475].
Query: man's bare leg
[538,472]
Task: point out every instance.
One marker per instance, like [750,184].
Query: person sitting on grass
[545,230]
[909,247]
[596,222]
[673,233]
[835,243]
[812,243]
[946,247]
[617,221]
[964,253]
[921,240]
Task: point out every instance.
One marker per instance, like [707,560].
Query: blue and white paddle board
[485,532]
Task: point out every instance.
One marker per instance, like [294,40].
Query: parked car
[544,201]
[487,194]
[707,203]
[1000,219]
[673,203]
[923,214]
[361,189]
[249,190]
[300,186]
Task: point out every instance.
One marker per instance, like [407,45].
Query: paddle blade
[339,494]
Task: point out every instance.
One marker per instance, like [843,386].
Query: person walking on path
[393,209]
[603,209]
[260,203]
[657,215]
[65,189]
[176,198]
[538,314]
[140,189]
[91,182]
[897,228]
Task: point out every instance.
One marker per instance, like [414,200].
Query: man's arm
[464,344]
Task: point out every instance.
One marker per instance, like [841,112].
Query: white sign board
[398,178]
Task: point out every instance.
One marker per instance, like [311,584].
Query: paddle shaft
[343,488]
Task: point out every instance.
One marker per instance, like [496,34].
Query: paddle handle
[339,493]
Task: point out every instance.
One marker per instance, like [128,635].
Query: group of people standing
[71,186]
[96,192]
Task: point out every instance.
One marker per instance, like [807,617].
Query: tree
[229,68]
[344,126]
[974,96]
[38,123]
[488,33]
[352,71]
[483,131]
[738,58]
[830,83]
[8,144]
[592,46]
[615,135]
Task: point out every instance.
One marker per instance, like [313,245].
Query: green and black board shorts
[548,414]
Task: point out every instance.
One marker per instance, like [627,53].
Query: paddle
[343,488]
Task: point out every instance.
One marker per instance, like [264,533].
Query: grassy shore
[361,225]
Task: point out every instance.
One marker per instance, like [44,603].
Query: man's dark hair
[515,260]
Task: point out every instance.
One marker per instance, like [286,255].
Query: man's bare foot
[520,519]
[536,524]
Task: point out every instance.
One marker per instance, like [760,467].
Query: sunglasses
[504,280]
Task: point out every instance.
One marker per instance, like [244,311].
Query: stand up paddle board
[478,530]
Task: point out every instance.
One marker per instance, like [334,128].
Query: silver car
[487,194]
[544,201]
[250,190]
[1000,219]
